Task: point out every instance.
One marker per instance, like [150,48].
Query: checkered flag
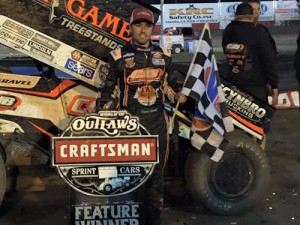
[212,120]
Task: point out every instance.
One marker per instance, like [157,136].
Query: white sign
[180,15]
[227,12]
[286,10]
[266,11]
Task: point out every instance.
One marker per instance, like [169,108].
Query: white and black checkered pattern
[203,85]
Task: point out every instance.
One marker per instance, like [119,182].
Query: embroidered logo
[130,62]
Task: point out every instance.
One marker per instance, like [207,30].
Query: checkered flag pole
[212,120]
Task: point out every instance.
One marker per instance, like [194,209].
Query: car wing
[74,36]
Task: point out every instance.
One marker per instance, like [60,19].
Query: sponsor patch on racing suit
[141,73]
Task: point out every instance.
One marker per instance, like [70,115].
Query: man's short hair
[244,9]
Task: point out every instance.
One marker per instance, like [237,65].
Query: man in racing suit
[139,70]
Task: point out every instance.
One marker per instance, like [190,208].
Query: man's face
[141,33]
[256,10]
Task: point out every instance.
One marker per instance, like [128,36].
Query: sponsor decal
[243,104]
[103,72]
[104,69]
[18,29]
[139,76]
[246,111]
[79,69]
[105,150]
[12,37]
[95,35]
[130,54]
[41,54]
[146,95]
[9,102]
[192,14]
[24,82]
[105,154]
[14,81]
[79,104]
[40,50]
[95,17]
[191,10]
[76,55]
[130,62]
[45,41]
[158,62]
[85,59]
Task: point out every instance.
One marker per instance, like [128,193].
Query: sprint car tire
[236,183]
[2,179]
[176,49]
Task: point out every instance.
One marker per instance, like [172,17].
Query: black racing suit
[140,74]
[260,62]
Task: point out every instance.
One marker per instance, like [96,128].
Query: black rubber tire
[176,49]
[2,179]
[236,183]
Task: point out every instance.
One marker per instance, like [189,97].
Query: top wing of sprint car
[50,38]
[73,36]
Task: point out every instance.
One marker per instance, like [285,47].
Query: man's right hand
[181,98]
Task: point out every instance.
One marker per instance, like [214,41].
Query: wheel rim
[233,177]
[177,50]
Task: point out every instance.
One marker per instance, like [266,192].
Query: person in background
[253,67]
[140,70]
[255,4]
[297,56]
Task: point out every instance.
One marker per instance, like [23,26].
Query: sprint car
[39,105]
[63,46]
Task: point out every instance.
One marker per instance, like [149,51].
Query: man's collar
[141,48]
